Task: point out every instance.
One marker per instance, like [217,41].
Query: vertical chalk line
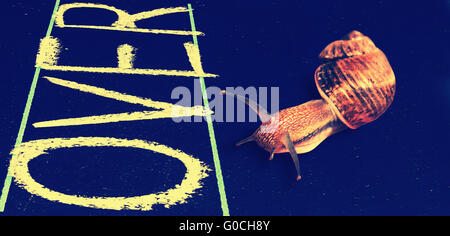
[220,183]
[26,113]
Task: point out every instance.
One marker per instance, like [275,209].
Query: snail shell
[356,79]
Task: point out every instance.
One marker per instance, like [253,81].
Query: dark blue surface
[397,165]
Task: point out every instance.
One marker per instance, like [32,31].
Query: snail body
[357,85]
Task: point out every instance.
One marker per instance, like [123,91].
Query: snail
[357,85]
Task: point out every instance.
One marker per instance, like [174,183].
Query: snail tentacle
[261,111]
[287,142]
[272,153]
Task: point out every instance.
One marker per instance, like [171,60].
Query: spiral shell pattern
[356,79]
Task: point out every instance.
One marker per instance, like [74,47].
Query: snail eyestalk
[287,142]
[261,111]
[272,153]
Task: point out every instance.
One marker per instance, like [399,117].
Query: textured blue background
[397,165]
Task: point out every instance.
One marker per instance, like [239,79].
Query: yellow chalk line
[168,110]
[115,70]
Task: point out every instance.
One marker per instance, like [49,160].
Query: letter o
[24,153]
